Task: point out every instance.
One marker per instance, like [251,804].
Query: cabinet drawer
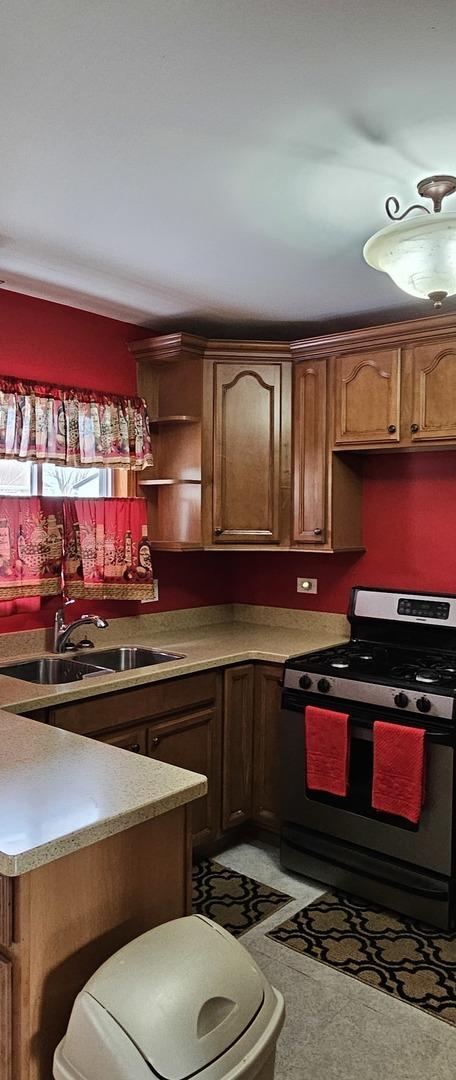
[129,706]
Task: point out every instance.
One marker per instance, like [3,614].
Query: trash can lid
[183,993]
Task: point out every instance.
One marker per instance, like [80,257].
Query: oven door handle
[366,730]
[437,736]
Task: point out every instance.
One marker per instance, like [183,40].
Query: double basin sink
[52,670]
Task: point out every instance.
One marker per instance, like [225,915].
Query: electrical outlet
[306,584]
[155,596]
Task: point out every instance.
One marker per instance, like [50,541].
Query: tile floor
[336,1028]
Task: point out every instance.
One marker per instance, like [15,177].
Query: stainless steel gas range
[399,666]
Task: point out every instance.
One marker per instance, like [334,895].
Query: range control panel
[423,609]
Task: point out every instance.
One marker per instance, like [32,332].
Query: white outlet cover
[305,585]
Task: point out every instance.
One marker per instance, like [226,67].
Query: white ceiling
[196,162]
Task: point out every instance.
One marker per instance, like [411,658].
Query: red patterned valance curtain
[72,427]
[107,554]
[31,533]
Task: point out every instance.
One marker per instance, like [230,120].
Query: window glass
[63,481]
[26,478]
[17,478]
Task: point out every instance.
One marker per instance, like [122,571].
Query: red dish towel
[327,750]
[398,781]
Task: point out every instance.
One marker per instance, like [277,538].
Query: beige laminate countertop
[60,791]
[204,647]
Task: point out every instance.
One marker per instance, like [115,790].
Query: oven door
[352,819]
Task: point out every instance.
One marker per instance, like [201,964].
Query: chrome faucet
[63,630]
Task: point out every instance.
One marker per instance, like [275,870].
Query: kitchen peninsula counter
[95,849]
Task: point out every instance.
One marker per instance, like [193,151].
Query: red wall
[40,340]
[409,530]
[409,500]
[50,342]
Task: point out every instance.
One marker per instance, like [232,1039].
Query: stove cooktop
[401,656]
[383,663]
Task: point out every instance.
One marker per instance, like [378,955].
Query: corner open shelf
[159,421]
[166,483]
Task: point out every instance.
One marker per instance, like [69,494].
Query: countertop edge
[17,865]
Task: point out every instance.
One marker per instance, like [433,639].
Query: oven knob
[305,682]
[323,686]
[401,700]
[423,704]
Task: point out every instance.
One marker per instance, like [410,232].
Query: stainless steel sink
[50,670]
[128,657]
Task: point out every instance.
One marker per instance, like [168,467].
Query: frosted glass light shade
[419,254]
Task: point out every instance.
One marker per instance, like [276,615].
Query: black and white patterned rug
[390,952]
[232,900]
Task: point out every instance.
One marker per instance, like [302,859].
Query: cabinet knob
[414,428]
[218,532]
[155,741]
[134,747]
[317,532]
[391,428]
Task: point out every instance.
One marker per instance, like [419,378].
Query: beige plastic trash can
[184,1000]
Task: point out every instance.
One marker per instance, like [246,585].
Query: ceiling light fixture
[419,255]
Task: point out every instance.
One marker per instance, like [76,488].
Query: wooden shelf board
[183,419]
[303,550]
[174,545]
[166,483]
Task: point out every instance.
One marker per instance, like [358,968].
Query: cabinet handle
[414,428]
[134,747]
[218,532]
[155,741]
[317,532]
[391,428]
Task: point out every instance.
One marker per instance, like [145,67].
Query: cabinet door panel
[247,453]
[266,748]
[309,421]
[6,910]
[367,387]
[431,370]
[192,741]
[237,745]
[133,739]
[6,1019]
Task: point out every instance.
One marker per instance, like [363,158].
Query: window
[26,478]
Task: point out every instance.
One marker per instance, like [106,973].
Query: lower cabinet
[177,721]
[222,724]
[237,749]
[192,741]
[266,746]
[6,1019]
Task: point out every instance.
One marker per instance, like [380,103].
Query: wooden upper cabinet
[367,398]
[247,453]
[430,392]
[309,453]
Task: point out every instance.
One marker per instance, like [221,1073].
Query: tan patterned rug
[390,952]
[232,900]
